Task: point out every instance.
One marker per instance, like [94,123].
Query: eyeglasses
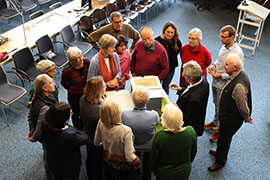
[224,37]
[117,22]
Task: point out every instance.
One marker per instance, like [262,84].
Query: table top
[254,8]
[50,23]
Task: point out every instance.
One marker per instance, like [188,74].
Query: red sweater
[201,55]
[149,63]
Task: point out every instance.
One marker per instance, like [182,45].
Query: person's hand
[174,103]
[250,120]
[174,86]
[30,136]
[113,83]
[211,69]
[122,79]
[216,75]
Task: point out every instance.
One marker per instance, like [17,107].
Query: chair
[55,5]
[25,64]
[9,93]
[46,51]
[68,38]
[25,5]
[5,12]
[41,2]
[99,18]
[111,7]
[36,14]
[85,26]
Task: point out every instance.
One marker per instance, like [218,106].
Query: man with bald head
[234,108]
[149,56]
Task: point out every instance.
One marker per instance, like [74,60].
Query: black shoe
[215,167]
[213,152]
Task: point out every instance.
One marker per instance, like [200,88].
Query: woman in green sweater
[173,148]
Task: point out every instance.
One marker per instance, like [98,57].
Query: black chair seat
[60,60]
[6,13]
[32,72]
[41,2]
[27,5]
[10,93]
[83,46]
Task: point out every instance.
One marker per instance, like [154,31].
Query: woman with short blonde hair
[106,63]
[175,145]
[120,161]
[110,113]
[172,118]
[140,96]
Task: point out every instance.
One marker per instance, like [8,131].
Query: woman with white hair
[174,148]
[120,160]
[193,99]
[106,63]
[194,50]
[45,67]
[43,89]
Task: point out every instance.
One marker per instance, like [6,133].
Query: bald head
[233,64]
[147,36]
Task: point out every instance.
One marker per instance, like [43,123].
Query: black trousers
[146,162]
[114,174]
[224,142]
[74,101]
[94,162]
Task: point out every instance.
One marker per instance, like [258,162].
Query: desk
[50,23]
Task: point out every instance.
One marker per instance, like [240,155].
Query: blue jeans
[167,80]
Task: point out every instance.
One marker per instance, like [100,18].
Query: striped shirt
[74,80]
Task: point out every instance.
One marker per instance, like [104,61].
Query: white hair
[197,32]
[192,70]
[43,66]
[172,117]
[73,53]
[236,60]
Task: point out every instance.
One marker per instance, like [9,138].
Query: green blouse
[173,153]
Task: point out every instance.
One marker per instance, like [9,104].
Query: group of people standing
[125,145]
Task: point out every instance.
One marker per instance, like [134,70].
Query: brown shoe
[213,152]
[215,167]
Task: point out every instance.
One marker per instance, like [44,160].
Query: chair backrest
[44,44]
[267,4]
[55,5]
[86,24]
[111,7]
[3,76]
[67,34]
[121,4]
[99,15]
[23,59]
[36,14]
[3,4]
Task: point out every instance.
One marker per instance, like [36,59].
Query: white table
[259,14]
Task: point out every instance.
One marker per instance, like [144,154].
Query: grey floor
[250,150]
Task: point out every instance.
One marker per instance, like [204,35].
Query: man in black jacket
[193,99]
[234,107]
